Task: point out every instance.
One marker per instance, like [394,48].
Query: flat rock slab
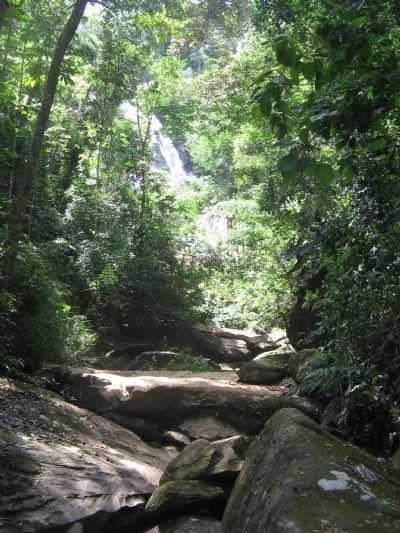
[173,397]
[298,479]
[61,464]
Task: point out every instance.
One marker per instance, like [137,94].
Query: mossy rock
[304,360]
[267,369]
[298,479]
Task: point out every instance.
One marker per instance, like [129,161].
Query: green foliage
[329,93]
[38,326]
[292,130]
[247,286]
[100,251]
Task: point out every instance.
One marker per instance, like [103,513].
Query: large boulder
[221,350]
[198,340]
[183,497]
[257,342]
[189,524]
[298,479]
[207,427]
[219,461]
[226,345]
[234,351]
[268,369]
[164,360]
[271,367]
[61,465]
[302,361]
[170,398]
[120,357]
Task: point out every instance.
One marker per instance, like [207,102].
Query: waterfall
[166,157]
[212,223]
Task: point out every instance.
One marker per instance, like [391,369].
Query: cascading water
[166,157]
[212,224]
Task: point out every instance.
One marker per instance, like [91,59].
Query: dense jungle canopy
[281,206]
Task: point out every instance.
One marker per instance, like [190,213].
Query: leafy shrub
[79,339]
[38,325]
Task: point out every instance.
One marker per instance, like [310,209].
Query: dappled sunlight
[199,266]
[122,386]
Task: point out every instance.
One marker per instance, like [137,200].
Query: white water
[212,225]
[166,157]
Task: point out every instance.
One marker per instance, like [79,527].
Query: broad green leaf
[319,76]
[347,169]
[261,78]
[257,112]
[295,73]
[323,172]
[288,163]
[265,102]
[359,21]
[285,54]
[308,70]
[376,145]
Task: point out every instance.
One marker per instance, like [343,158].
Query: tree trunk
[29,175]
[4,5]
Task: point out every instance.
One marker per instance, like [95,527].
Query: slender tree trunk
[14,142]
[144,138]
[3,71]
[4,5]
[51,85]
[27,179]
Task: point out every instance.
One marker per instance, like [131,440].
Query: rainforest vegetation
[286,116]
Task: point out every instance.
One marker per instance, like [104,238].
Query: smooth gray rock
[221,350]
[257,342]
[176,438]
[271,367]
[183,497]
[174,398]
[210,428]
[267,370]
[235,350]
[297,479]
[60,464]
[211,461]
